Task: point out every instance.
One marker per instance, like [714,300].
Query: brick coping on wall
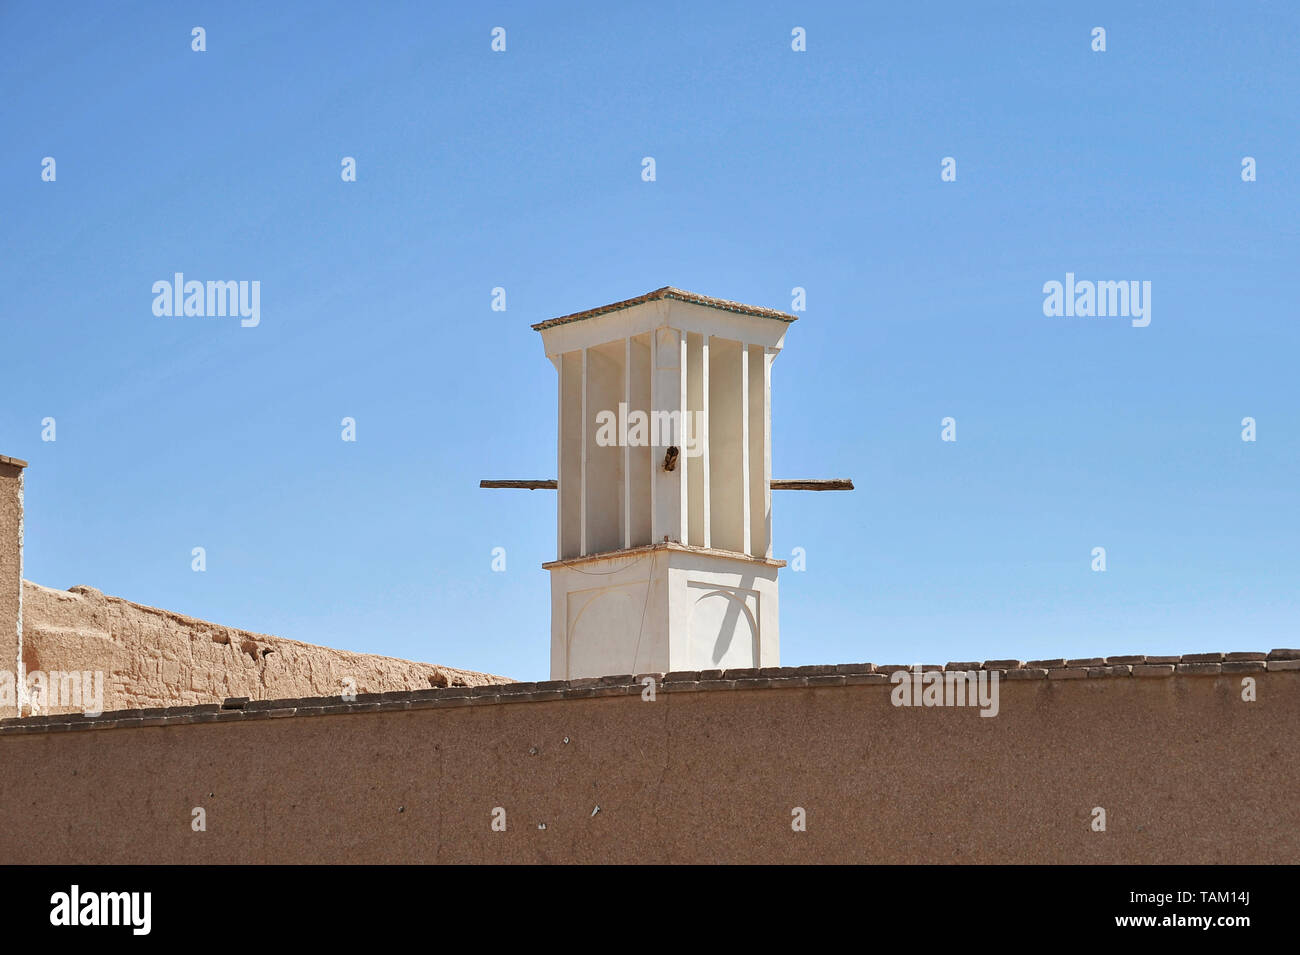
[626,684]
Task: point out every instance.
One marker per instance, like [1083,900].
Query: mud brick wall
[11,564]
[709,771]
[151,657]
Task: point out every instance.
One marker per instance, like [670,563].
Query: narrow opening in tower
[727,427]
[639,458]
[604,458]
[570,455]
[694,443]
[760,456]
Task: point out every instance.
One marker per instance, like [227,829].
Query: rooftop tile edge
[752,678]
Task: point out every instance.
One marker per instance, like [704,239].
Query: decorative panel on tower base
[660,608]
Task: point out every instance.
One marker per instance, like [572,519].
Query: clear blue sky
[775,169]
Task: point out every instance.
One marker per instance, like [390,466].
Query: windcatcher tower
[664,511]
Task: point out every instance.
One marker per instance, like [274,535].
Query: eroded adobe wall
[151,657]
[11,572]
[1186,770]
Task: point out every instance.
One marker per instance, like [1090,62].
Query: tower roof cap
[676,294]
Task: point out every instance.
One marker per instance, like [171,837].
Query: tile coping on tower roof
[16,462]
[663,545]
[627,684]
[668,292]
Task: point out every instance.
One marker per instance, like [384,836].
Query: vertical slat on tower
[559,459]
[745,519]
[654,406]
[683,532]
[627,448]
[762,486]
[702,439]
[582,465]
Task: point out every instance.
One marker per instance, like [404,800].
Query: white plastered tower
[665,561]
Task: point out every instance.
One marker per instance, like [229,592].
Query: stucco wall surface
[710,771]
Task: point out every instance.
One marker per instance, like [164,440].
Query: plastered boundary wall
[709,771]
